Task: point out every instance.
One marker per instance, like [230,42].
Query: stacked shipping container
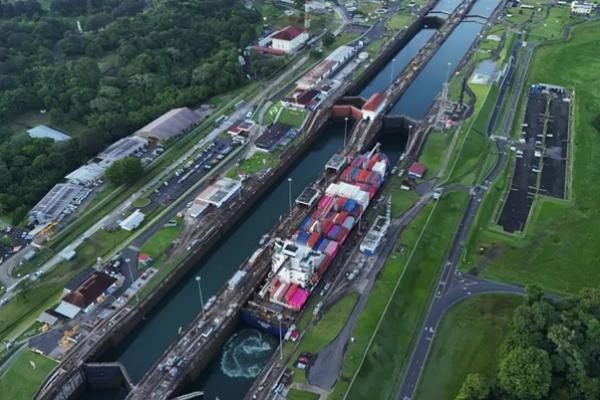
[326,229]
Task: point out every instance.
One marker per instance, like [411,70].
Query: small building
[272,136]
[240,129]
[197,209]
[289,39]
[51,206]
[85,296]
[219,192]
[375,235]
[417,170]
[144,259]
[581,8]
[120,149]
[302,99]
[86,175]
[172,124]
[45,132]
[47,318]
[133,221]
[374,106]
[319,72]
[341,55]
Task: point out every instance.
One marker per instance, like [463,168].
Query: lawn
[159,243]
[257,162]
[24,308]
[271,113]
[406,282]
[560,249]
[329,325]
[467,341]
[477,152]
[292,117]
[552,27]
[26,373]
[294,394]
[434,150]
[399,21]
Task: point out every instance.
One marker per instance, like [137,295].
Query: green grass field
[294,394]
[329,326]
[552,27]
[467,341]
[292,117]
[389,350]
[434,150]
[399,21]
[161,241]
[559,249]
[477,152]
[22,378]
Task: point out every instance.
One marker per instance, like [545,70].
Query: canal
[230,375]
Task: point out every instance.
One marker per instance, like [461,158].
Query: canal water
[230,375]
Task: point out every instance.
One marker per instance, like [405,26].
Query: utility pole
[345,130]
[290,192]
[279,316]
[198,279]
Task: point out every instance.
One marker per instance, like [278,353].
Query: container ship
[299,262]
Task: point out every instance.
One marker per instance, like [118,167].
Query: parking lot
[524,183]
[541,153]
[553,179]
[11,239]
[191,171]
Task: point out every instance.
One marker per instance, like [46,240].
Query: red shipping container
[324,265]
[290,292]
[313,239]
[326,225]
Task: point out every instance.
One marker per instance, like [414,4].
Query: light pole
[128,261]
[279,316]
[290,192]
[198,279]
[345,130]
[448,71]
[392,72]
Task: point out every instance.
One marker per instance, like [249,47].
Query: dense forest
[132,61]
[551,352]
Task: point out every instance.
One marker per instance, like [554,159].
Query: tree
[328,39]
[125,171]
[526,373]
[475,387]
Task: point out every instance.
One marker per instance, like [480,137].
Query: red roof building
[417,170]
[89,291]
[373,106]
[289,39]
[289,33]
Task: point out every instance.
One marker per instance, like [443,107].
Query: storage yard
[542,147]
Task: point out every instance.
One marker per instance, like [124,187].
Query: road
[116,213]
[326,368]
[452,287]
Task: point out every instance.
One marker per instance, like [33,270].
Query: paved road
[326,368]
[452,287]
[238,114]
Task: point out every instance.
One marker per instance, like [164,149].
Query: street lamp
[279,317]
[448,71]
[290,192]
[128,261]
[345,130]
[198,279]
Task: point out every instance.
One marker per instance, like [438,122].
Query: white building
[289,39]
[221,191]
[374,106]
[581,8]
[86,174]
[133,221]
